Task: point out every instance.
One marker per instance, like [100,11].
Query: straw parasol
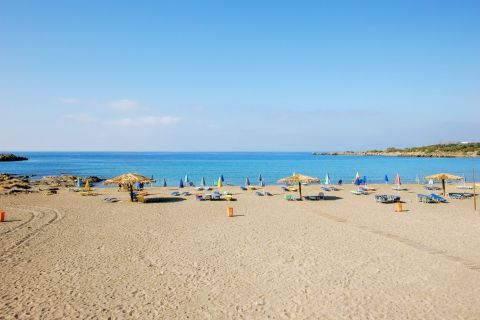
[298,178]
[129,179]
[442,177]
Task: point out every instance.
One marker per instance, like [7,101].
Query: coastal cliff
[11,157]
[451,150]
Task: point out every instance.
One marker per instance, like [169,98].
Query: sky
[238,75]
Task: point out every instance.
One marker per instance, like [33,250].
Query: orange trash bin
[230,212]
[2,216]
[399,207]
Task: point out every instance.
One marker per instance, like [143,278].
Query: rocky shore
[10,183]
[11,157]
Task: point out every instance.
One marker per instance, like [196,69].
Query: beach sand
[66,256]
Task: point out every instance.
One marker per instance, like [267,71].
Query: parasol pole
[300,189]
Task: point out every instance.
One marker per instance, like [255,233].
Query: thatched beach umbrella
[442,177]
[129,179]
[299,178]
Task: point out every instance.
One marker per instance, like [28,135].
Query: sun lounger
[199,197]
[359,192]
[426,198]
[229,197]
[430,188]
[258,193]
[186,193]
[399,188]
[252,187]
[438,198]
[110,200]
[285,189]
[243,188]
[385,198]
[267,193]
[326,188]
[464,187]
[289,197]
[460,195]
[207,197]
[175,193]
[292,189]
[334,188]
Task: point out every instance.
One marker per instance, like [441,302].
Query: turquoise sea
[235,166]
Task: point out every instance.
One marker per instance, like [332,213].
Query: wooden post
[443,186]
[474,193]
[300,189]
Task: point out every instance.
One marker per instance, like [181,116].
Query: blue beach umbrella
[186,179]
[180,184]
[247,182]
[164,182]
[357,181]
[202,183]
[260,180]
[221,178]
[364,180]
[262,183]
[385,179]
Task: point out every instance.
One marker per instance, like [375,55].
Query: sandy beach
[348,257]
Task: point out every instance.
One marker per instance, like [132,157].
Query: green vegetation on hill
[451,148]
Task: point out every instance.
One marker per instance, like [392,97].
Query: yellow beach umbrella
[442,177]
[299,178]
[220,184]
[87,185]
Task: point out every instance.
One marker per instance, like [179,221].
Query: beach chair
[243,188]
[325,188]
[267,193]
[217,196]
[385,198]
[285,189]
[258,193]
[199,197]
[110,200]
[175,193]
[425,198]
[430,188]
[289,197]
[438,198]
[334,188]
[186,193]
[207,197]
[292,189]
[229,197]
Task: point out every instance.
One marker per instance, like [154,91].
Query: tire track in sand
[40,218]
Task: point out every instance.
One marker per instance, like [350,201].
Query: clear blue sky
[243,75]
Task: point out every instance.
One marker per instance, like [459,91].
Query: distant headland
[450,150]
[11,157]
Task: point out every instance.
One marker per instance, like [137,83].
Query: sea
[235,166]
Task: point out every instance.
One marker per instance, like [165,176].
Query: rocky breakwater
[11,157]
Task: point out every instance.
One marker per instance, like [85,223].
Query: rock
[92,179]
[11,157]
